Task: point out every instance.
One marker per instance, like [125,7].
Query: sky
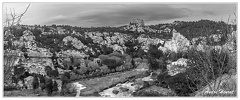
[117,14]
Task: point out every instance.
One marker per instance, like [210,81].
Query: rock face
[154,91]
[72,53]
[36,68]
[27,36]
[74,41]
[199,40]
[136,25]
[29,39]
[178,43]
[39,52]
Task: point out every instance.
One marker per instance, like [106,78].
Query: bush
[106,50]
[111,63]
[128,58]
[67,63]
[82,70]
[154,52]
[87,61]
[145,60]
[104,69]
[137,60]
[127,66]
[118,60]
[103,57]
[73,76]
[154,64]
[141,53]
[93,65]
[179,83]
[119,68]
[117,54]
[76,62]
[206,68]
[173,56]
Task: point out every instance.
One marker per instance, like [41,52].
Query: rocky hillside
[64,54]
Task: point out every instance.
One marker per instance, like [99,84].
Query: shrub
[106,50]
[103,57]
[154,64]
[93,65]
[172,56]
[206,68]
[117,54]
[111,63]
[141,53]
[73,76]
[128,58]
[138,60]
[119,68]
[104,69]
[118,60]
[76,62]
[154,52]
[86,62]
[127,66]
[67,63]
[145,60]
[179,83]
[82,70]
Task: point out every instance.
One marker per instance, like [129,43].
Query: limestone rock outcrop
[136,25]
[178,43]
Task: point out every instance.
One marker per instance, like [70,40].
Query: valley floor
[94,85]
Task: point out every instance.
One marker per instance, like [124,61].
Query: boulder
[75,87]
[115,91]
[123,89]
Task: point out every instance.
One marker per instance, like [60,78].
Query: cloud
[123,15]
[86,15]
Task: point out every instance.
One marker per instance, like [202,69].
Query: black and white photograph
[119,49]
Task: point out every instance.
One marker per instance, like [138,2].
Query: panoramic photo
[119,49]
